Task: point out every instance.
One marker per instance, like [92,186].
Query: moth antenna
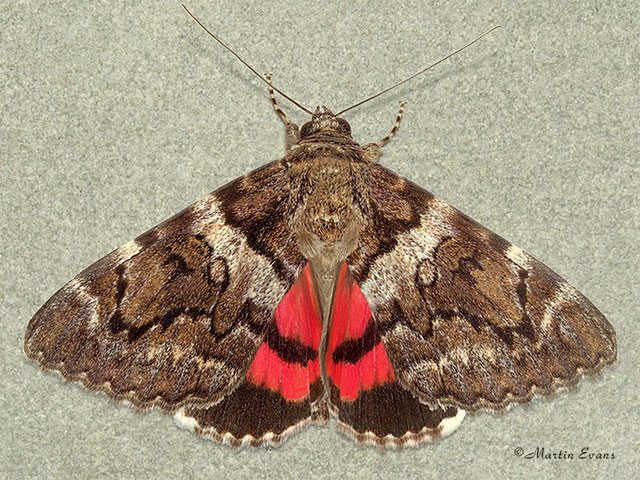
[419,73]
[246,64]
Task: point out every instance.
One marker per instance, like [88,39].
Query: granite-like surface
[115,115]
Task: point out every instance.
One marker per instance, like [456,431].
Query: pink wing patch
[282,391]
[370,404]
[356,359]
[287,362]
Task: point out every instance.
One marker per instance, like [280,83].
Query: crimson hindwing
[364,393]
[282,391]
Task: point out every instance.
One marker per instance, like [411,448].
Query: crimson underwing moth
[321,284]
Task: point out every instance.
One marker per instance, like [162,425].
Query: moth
[321,284]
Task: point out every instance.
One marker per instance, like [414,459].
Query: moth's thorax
[326,168]
[329,195]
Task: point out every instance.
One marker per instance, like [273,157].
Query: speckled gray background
[115,115]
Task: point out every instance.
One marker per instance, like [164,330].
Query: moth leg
[292,133]
[388,138]
[373,151]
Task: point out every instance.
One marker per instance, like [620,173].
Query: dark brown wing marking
[467,318]
[176,316]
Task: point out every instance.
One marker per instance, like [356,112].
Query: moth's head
[325,121]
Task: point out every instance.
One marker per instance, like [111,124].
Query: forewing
[467,318]
[177,315]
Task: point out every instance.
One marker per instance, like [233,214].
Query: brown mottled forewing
[176,316]
[467,318]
